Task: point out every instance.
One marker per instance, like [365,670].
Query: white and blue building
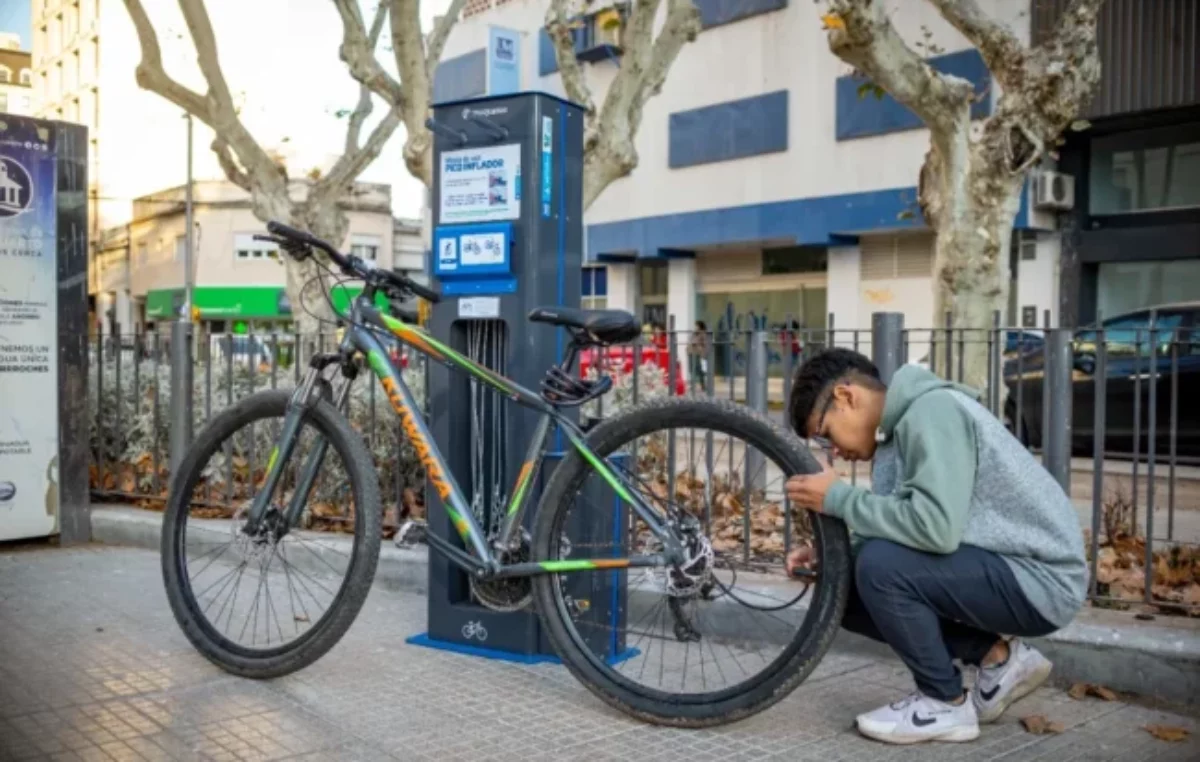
[768,184]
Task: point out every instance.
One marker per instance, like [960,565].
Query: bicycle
[512,565]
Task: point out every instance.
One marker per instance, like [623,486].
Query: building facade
[239,282]
[1132,237]
[16,76]
[772,185]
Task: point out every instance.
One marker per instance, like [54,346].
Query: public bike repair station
[507,204]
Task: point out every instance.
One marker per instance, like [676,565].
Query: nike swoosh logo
[989,695]
[921,722]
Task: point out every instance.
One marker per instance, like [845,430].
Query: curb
[1157,660]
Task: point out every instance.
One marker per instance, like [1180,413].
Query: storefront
[1137,212]
[240,309]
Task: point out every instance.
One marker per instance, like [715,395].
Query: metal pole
[756,398]
[1056,453]
[887,343]
[181,337]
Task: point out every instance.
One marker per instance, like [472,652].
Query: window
[246,249]
[3,101]
[180,248]
[795,259]
[5,74]
[26,77]
[654,278]
[1147,170]
[595,288]
[142,253]
[365,247]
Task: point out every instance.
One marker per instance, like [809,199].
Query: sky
[14,17]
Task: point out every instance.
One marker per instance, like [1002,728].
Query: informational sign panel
[480,184]
[29,378]
[504,61]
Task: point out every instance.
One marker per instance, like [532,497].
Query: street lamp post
[181,336]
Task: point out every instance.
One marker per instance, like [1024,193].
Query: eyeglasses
[825,445]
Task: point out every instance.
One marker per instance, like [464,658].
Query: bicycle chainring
[510,593]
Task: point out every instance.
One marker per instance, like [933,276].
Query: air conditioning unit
[1053,191]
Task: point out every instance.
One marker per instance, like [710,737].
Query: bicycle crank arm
[568,566]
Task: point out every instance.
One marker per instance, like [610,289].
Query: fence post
[756,398]
[1056,439]
[181,390]
[887,343]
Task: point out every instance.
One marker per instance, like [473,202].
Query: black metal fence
[1109,413]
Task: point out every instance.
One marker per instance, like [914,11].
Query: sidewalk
[93,666]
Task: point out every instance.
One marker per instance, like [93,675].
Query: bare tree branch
[862,35]
[152,76]
[358,51]
[1001,50]
[439,35]
[417,76]
[681,27]
[229,165]
[352,163]
[215,108]
[558,27]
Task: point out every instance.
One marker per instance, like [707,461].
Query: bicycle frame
[366,321]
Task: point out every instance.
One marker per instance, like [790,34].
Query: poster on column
[481,184]
[28,332]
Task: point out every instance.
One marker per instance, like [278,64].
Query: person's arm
[928,511]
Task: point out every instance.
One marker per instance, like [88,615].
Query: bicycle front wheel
[730,634]
[257,605]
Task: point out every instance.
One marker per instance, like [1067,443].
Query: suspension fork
[303,399]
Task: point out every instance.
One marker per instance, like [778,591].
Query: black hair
[701,326]
[818,375]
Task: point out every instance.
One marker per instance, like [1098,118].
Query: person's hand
[808,490]
[800,559]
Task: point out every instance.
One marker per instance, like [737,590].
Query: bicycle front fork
[312,388]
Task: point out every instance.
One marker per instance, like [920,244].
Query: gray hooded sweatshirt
[948,473]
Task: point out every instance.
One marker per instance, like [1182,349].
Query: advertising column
[29,379]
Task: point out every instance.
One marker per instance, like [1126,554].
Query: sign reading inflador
[480,184]
[28,345]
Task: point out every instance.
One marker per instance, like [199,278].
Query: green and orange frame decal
[362,336]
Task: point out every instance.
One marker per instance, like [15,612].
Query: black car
[1135,356]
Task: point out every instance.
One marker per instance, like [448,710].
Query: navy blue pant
[933,608]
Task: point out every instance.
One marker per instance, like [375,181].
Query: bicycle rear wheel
[256,606]
[735,635]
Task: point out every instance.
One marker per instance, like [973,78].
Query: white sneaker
[998,687]
[919,718]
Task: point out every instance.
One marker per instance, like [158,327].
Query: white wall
[843,293]
[1037,279]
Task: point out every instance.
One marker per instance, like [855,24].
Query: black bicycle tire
[364,557]
[829,594]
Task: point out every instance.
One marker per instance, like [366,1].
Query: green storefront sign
[245,302]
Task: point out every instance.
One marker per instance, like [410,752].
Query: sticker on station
[479,307]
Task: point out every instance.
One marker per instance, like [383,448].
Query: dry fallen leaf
[1166,732]
[1100,691]
[1038,725]
[833,21]
[1079,690]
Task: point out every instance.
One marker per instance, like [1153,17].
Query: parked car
[1016,342]
[1133,355]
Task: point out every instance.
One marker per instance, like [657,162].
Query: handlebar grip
[428,294]
[304,237]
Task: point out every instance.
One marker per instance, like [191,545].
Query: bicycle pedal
[411,533]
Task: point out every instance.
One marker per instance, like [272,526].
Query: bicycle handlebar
[352,266]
